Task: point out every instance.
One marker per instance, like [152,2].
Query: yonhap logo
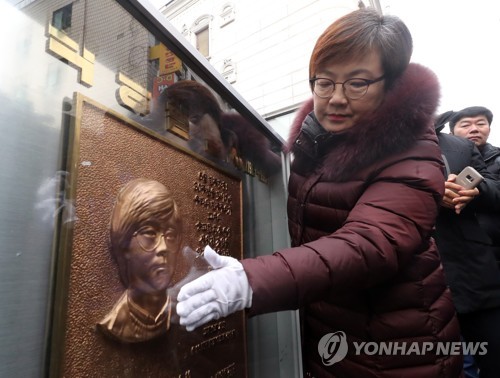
[332,348]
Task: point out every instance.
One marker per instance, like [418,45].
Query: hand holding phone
[469,178]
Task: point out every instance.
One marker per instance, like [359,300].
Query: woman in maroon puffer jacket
[364,192]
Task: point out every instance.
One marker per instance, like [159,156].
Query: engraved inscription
[213,328]
[213,341]
[212,195]
[228,371]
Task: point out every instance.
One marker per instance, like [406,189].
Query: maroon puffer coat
[362,204]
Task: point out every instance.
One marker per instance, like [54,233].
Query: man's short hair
[472,111]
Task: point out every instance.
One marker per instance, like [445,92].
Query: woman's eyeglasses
[354,88]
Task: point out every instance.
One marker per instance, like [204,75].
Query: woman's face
[338,112]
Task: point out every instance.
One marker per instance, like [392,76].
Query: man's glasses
[149,238]
[353,88]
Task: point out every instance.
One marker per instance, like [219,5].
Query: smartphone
[469,178]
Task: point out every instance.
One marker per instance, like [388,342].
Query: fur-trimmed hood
[407,114]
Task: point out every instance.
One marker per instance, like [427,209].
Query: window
[201,32]
[202,39]
[227,14]
[61,18]
[229,71]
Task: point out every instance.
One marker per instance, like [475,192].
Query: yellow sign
[169,62]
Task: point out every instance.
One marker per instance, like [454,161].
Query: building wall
[267,42]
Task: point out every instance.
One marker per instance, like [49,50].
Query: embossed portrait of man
[145,238]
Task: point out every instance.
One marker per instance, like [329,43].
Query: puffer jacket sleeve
[390,221]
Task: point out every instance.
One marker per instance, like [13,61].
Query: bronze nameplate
[112,317]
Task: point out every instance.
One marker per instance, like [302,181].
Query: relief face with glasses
[145,234]
[152,255]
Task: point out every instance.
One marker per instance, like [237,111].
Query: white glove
[216,294]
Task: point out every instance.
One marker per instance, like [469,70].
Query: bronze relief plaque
[143,211]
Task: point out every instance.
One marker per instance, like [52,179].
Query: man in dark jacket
[474,123]
[466,250]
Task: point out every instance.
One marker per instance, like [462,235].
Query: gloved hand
[216,294]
